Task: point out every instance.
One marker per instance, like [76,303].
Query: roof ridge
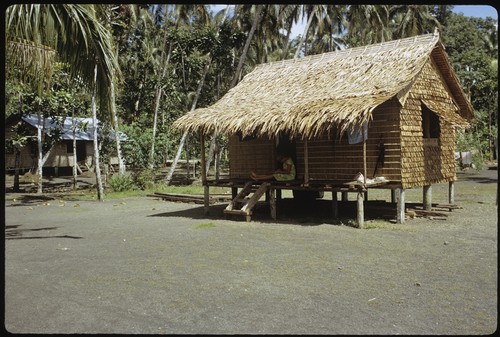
[361,50]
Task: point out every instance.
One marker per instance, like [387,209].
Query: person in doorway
[287,172]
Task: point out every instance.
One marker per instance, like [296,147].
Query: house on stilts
[389,111]
[61,155]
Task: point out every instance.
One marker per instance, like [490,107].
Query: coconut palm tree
[368,24]
[208,63]
[256,10]
[315,20]
[288,15]
[411,20]
[35,33]
[330,38]
[182,13]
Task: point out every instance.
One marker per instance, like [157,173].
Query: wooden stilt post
[427,196]
[451,193]
[364,159]
[272,202]
[393,195]
[206,199]
[306,162]
[401,206]
[345,196]
[360,210]
[206,192]
[335,205]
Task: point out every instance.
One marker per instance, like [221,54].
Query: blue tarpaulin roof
[84,127]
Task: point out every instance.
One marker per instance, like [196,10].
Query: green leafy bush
[145,179]
[121,182]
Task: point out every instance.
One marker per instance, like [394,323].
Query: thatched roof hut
[404,93]
[311,95]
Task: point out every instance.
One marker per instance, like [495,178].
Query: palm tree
[330,38]
[182,13]
[208,63]
[315,20]
[288,15]
[35,32]
[368,24]
[257,11]
[411,20]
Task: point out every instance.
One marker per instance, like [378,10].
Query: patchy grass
[383,224]
[205,225]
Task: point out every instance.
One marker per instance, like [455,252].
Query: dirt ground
[144,265]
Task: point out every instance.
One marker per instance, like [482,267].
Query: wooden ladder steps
[247,204]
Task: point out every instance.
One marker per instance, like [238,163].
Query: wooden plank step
[236,211]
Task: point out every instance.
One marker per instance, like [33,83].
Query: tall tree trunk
[16,169]
[213,143]
[121,163]
[193,106]
[39,169]
[100,190]
[255,23]
[75,158]
[285,50]
[163,64]
[184,135]
[304,36]
[155,122]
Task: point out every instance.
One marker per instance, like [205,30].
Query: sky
[481,11]
[477,10]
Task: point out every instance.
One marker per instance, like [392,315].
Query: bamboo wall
[331,158]
[59,156]
[257,155]
[409,158]
[426,163]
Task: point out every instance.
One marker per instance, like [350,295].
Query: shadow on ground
[293,212]
[17,233]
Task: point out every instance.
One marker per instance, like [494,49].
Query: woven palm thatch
[307,97]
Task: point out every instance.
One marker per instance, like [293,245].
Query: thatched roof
[311,95]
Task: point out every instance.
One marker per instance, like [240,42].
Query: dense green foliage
[168,46]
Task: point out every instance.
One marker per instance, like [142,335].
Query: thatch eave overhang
[308,97]
[440,58]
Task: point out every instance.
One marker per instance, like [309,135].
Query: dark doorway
[287,146]
[81,151]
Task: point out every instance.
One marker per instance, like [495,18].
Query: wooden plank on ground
[197,199]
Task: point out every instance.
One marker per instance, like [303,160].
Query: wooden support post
[364,157]
[202,164]
[401,206]
[345,196]
[206,192]
[206,199]
[306,163]
[360,210]
[427,203]
[451,193]
[272,202]
[335,205]
[393,195]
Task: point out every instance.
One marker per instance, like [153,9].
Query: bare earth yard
[143,265]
